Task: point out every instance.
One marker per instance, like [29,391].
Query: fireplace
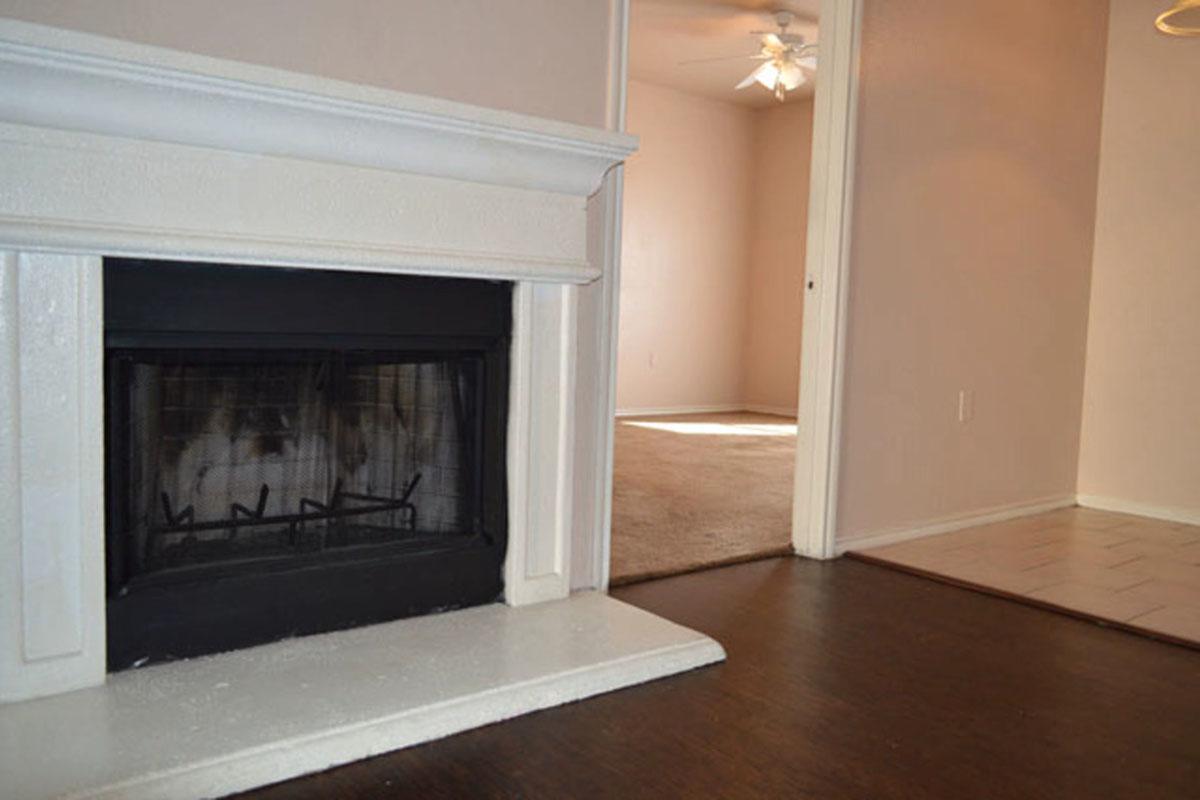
[297,451]
[126,151]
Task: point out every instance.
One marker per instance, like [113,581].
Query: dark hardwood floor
[844,680]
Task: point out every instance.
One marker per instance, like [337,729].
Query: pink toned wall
[771,356]
[712,254]
[685,251]
[542,57]
[1141,413]
[975,187]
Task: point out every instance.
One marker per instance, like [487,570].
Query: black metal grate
[249,454]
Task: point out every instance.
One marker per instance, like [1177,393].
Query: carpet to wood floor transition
[696,490]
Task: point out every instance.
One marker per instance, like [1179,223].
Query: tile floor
[1138,572]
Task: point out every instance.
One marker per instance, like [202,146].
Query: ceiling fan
[787,60]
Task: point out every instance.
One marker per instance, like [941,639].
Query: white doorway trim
[610,200]
[814,511]
[823,347]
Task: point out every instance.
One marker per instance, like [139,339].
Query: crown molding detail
[125,149]
[62,79]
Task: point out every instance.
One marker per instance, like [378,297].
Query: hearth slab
[215,725]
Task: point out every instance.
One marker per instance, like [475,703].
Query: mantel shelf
[129,150]
[71,81]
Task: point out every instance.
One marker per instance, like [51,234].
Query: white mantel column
[52,635]
[541,443]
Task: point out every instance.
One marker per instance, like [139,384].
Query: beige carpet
[697,490]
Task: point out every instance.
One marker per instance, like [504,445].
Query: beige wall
[685,251]
[771,358]
[1141,413]
[972,236]
[712,255]
[542,57]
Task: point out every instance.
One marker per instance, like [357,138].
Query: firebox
[296,451]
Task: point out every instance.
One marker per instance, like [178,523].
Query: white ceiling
[662,33]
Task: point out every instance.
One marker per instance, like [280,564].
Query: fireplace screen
[297,451]
[236,455]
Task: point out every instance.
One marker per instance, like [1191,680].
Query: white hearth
[210,726]
[114,149]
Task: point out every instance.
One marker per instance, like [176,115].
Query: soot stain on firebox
[229,403]
[266,426]
[256,412]
[243,406]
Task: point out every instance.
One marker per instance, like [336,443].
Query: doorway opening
[713,283]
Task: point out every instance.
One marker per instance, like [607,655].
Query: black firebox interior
[297,451]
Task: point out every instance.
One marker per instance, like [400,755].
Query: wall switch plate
[966,405]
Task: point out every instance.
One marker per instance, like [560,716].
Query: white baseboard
[954,523]
[1188,516]
[776,411]
[722,408]
[668,410]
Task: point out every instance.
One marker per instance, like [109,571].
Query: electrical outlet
[652,361]
[966,405]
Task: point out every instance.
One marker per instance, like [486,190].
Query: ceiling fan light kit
[1181,19]
[787,60]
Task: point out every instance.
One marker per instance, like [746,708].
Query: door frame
[831,183]
[826,282]
[610,201]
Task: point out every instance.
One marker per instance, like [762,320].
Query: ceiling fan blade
[753,76]
[755,57]
[808,62]
[766,74]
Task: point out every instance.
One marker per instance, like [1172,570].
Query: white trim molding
[814,514]
[52,628]
[774,411]
[716,408]
[192,157]
[61,79]
[598,338]
[954,522]
[665,411]
[541,458]
[1185,516]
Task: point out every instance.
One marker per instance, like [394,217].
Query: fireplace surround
[122,151]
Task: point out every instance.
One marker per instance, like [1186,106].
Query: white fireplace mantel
[142,151]
[113,149]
